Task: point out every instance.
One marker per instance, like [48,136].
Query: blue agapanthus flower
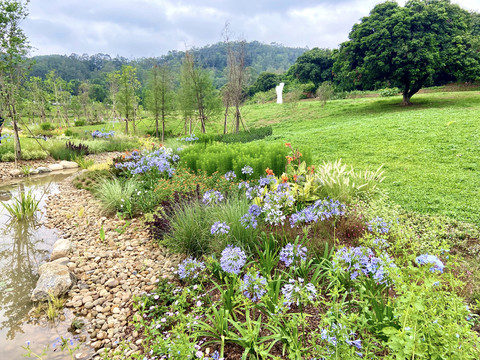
[291,254]
[247,170]
[212,197]
[232,260]
[436,263]
[254,286]
[230,175]
[190,268]
[219,228]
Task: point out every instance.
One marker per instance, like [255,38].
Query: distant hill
[259,57]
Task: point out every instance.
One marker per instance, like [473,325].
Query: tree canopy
[405,47]
[314,65]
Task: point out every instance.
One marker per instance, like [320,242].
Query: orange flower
[284,179]
[295,177]
[289,159]
[269,171]
[288,144]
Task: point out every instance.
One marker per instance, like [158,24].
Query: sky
[151,28]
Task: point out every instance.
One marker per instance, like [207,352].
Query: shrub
[10,156]
[226,157]
[80,123]
[242,136]
[47,126]
[325,92]
[387,92]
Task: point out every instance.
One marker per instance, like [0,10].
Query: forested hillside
[259,57]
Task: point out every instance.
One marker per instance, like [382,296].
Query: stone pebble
[109,273]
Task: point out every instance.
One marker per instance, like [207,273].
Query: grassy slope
[430,151]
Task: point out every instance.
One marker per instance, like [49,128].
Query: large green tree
[405,46]
[13,50]
[313,66]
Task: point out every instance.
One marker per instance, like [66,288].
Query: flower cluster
[247,170]
[190,138]
[253,191]
[360,261]
[378,225]
[320,210]
[436,263]
[296,291]
[104,135]
[230,175]
[220,228]
[268,180]
[336,332]
[190,268]
[232,259]
[212,197]
[254,286]
[161,160]
[275,202]
[250,219]
[291,254]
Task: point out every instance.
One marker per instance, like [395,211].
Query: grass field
[430,151]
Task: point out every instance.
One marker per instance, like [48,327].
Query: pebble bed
[110,272]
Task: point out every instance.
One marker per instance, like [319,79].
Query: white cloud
[153,27]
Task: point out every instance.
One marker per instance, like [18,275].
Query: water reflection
[20,254]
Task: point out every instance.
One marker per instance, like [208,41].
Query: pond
[24,246]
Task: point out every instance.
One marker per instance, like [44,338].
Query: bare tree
[233,92]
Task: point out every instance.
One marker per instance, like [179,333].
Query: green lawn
[430,151]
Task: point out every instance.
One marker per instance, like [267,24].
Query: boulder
[69,164]
[55,279]
[43,169]
[15,172]
[61,248]
[55,167]
[33,171]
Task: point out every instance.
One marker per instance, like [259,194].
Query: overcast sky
[144,28]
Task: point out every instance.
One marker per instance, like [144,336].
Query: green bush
[115,195]
[242,136]
[47,126]
[34,154]
[10,156]
[387,92]
[225,157]
[80,123]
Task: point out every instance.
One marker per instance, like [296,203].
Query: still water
[24,245]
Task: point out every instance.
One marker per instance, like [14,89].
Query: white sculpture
[279,90]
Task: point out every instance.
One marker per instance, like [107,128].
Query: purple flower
[268,180]
[296,291]
[249,221]
[212,197]
[247,170]
[254,192]
[377,225]
[254,286]
[320,210]
[232,259]
[219,228]
[190,268]
[362,262]
[255,210]
[436,263]
[291,255]
[230,175]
